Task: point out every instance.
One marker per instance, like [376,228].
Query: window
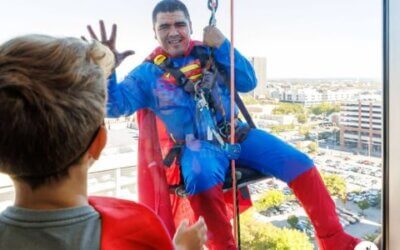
[305,48]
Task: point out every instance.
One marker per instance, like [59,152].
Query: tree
[363,204]
[325,108]
[248,99]
[288,108]
[312,147]
[281,128]
[292,221]
[257,235]
[305,130]
[271,198]
[302,118]
[336,185]
[324,135]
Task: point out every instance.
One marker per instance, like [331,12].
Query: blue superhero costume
[204,164]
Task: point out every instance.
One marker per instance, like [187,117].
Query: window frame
[391,157]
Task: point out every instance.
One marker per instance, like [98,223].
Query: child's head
[52,103]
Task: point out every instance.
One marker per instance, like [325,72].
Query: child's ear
[98,143]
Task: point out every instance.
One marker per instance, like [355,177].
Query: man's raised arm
[245,79]
[126,97]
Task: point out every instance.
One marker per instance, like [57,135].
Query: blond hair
[52,101]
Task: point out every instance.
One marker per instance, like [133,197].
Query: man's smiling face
[172,30]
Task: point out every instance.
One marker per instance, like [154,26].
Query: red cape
[154,178]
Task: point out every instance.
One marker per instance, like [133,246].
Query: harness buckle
[159,59]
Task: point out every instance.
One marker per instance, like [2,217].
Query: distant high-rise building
[361,126]
[260,67]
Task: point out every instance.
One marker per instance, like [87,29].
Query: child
[52,106]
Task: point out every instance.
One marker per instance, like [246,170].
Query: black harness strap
[202,53]
[181,79]
[243,110]
[206,61]
[174,153]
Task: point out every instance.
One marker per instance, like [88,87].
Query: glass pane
[321,97]
[318,102]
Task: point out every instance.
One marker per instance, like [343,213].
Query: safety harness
[200,83]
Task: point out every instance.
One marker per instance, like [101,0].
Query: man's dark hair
[170,6]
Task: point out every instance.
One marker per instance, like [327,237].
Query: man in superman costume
[157,90]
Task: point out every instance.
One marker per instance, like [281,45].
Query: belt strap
[174,153]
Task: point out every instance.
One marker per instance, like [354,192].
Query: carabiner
[213,6]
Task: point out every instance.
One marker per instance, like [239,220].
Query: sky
[299,38]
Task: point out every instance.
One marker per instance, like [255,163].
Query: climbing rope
[236,226]
[213,6]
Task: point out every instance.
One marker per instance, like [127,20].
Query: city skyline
[299,39]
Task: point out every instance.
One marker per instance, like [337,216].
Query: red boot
[210,204]
[310,190]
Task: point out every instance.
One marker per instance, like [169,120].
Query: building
[340,95]
[280,119]
[361,127]
[306,96]
[260,67]
[263,117]
[311,96]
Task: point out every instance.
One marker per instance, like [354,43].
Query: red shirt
[127,225]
